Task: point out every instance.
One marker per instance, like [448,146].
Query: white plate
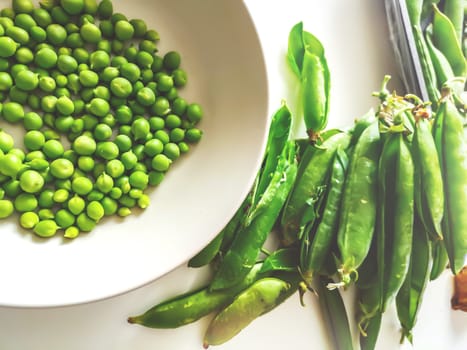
[226,71]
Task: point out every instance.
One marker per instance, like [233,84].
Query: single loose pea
[156,123]
[130,71]
[177,135]
[53,149]
[65,105]
[76,205]
[88,78]
[153,147]
[109,205]
[85,223]
[156,177]
[28,219]
[90,33]
[123,211]
[171,60]
[6,141]
[64,218]
[61,195]
[95,210]
[46,198]
[164,82]
[22,6]
[98,106]
[71,232]
[107,150]
[25,202]
[72,7]
[61,168]
[46,214]
[162,135]
[146,96]
[12,112]
[179,77]
[123,142]
[67,64]
[46,228]
[104,183]
[193,135]
[17,95]
[94,195]
[46,58]
[161,162]
[171,150]
[99,60]
[105,9]
[6,208]
[47,84]
[42,17]
[102,132]
[128,159]
[144,201]
[24,55]
[56,34]
[84,145]
[34,140]
[139,179]
[116,193]
[194,112]
[115,168]
[81,185]
[86,163]
[121,87]
[31,181]
[140,128]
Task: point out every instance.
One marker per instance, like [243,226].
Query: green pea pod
[395,216]
[315,93]
[441,65]
[414,8]
[247,244]
[427,67]
[454,10]
[440,259]
[261,297]
[358,207]
[313,175]
[372,329]
[325,231]
[445,39]
[295,49]
[192,306]
[452,152]
[283,259]
[277,138]
[410,295]
[369,315]
[429,195]
[333,310]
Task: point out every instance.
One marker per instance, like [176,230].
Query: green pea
[85,223]
[146,96]
[98,106]
[102,132]
[152,35]
[123,211]
[47,84]
[107,150]
[45,58]
[161,162]
[162,135]
[56,34]
[121,87]
[61,195]
[94,195]
[116,193]
[161,106]
[38,164]
[46,228]
[28,219]
[62,168]
[64,218]
[95,211]
[42,17]
[22,6]
[171,150]
[109,205]
[139,179]
[144,59]
[153,147]
[72,7]
[127,201]
[123,142]
[144,201]
[84,145]
[6,208]
[31,181]
[45,214]
[128,159]
[156,177]
[53,149]
[81,55]
[194,112]
[99,60]
[81,185]
[109,73]
[38,34]
[147,46]
[156,123]
[71,232]
[90,33]
[115,168]
[6,141]
[18,152]
[17,95]
[140,128]
[76,204]
[107,28]
[90,7]
[102,92]
[65,105]
[104,183]
[12,112]
[88,78]
[67,64]
[164,82]
[179,77]
[18,34]
[12,188]
[105,9]
[130,71]
[24,55]
[25,202]
[34,140]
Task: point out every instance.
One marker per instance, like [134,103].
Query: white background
[355,37]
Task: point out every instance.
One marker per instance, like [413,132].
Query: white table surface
[355,37]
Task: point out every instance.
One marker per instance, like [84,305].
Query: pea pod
[333,310]
[283,259]
[247,244]
[429,195]
[324,231]
[452,152]
[313,174]
[358,207]
[445,39]
[261,297]
[414,8]
[410,295]
[454,10]
[441,65]
[440,259]
[190,307]
[395,215]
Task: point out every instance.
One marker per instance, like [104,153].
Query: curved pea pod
[440,259]
[445,39]
[358,207]
[312,177]
[323,234]
[247,244]
[261,297]
[395,215]
[283,259]
[333,310]
[192,306]
[429,194]
[410,295]
[452,152]
[454,10]
[441,65]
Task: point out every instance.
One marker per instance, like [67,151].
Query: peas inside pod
[77,73]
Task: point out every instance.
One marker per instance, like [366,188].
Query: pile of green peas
[77,70]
